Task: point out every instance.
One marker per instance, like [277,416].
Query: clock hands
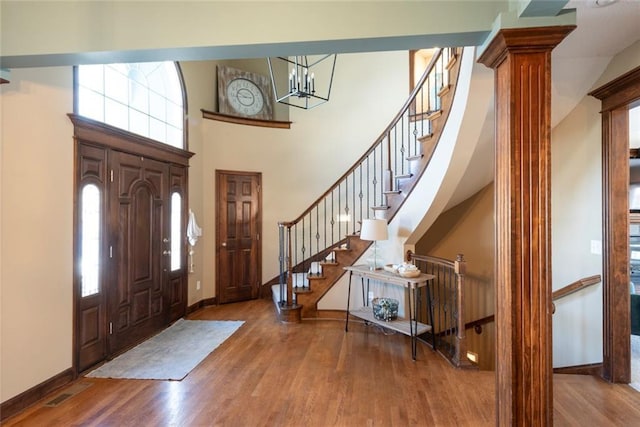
[245,97]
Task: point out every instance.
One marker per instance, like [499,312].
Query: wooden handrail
[562,292]
[376,143]
[432,259]
[478,323]
[576,286]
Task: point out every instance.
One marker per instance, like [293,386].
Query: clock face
[245,97]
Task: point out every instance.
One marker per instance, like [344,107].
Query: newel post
[290,301]
[460,357]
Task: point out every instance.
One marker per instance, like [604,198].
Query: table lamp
[374,229]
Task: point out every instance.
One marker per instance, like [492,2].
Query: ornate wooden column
[521,59]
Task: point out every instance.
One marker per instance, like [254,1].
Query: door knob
[224,244]
[166,252]
[165,240]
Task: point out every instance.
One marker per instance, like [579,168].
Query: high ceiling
[580,59]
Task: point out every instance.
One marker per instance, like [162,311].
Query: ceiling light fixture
[303,81]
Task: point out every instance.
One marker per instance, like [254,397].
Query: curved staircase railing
[447,306]
[316,246]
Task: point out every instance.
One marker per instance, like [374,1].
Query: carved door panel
[138,304]
[238,267]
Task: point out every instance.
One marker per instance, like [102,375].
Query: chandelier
[302,81]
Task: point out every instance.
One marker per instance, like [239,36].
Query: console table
[407,326]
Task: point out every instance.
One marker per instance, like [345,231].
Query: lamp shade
[374,229]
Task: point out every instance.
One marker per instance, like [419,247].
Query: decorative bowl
[385,308]
[409,273]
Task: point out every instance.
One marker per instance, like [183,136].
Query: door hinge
[258,236]
[111,175]
[110,251]
[110,328]
[259,186]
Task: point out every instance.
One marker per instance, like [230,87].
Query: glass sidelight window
[90,240]
[176,231]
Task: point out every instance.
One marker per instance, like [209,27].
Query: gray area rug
[171,354]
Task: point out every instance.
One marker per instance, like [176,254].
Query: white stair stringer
[472,102]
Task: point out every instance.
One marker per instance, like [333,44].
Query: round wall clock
[244,94]
[245,97]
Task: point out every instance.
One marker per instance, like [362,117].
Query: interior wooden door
[239,226]
[138,304]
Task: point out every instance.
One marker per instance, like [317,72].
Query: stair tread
[425,137]
[452,61]
[433,115]
[444,90]
[405,176]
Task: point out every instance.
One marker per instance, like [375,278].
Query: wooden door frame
[616,97]
[218,243]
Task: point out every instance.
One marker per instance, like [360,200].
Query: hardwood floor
[315,374]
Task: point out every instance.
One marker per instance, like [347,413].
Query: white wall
[200,80]
[576,220]
[299,164]
[37,227]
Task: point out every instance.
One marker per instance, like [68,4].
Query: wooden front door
[130,277]
[239,228]
[138,306]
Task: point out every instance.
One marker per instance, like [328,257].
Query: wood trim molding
[616,96]
[29,397]
[510,40]
[619,92]
[200,304]
[594,369]
[245,120]
[521,59]
[88,130]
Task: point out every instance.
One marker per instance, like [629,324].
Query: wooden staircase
[377,185]
[331,272]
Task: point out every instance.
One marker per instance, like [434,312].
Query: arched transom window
[144,98]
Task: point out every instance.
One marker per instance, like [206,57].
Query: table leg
[413,321]
[346,323]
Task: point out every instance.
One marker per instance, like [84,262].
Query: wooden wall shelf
[245,120]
